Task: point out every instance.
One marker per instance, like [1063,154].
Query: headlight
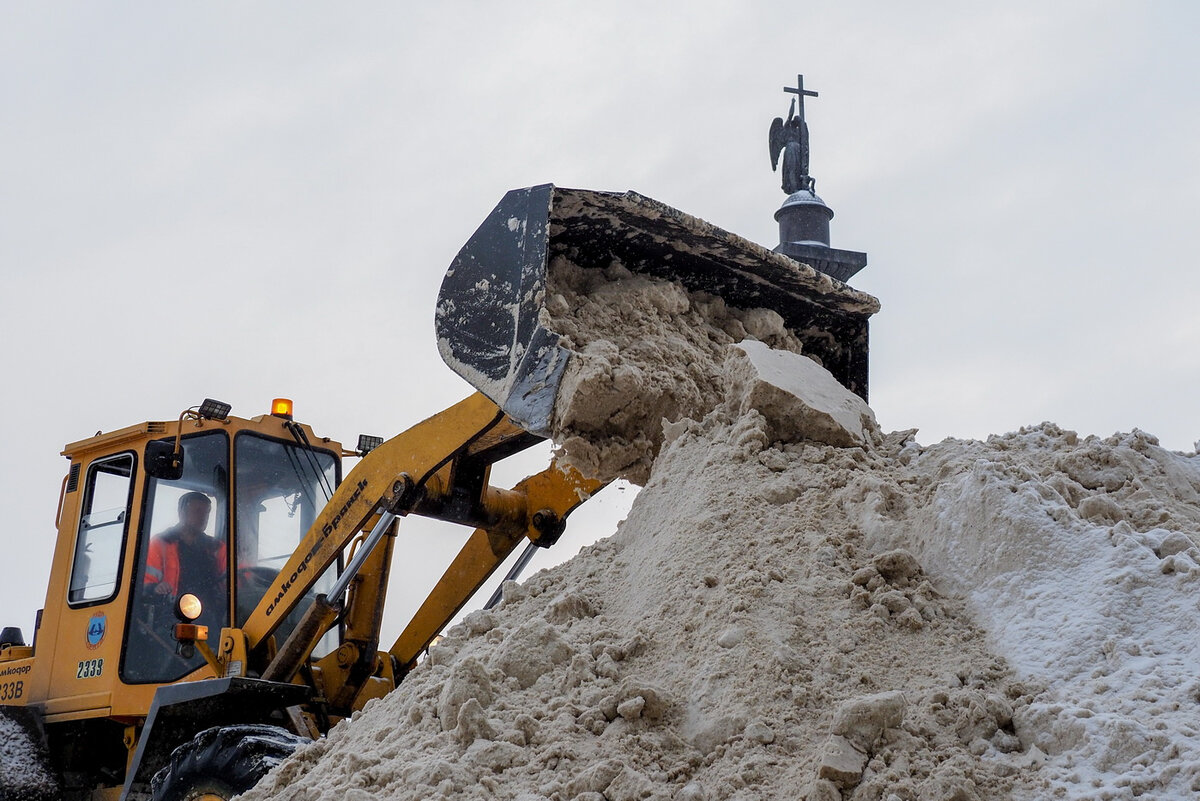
[188,607]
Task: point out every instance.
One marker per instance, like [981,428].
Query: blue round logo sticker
[97,626]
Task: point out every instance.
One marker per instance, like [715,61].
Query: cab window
[280,487]
[101,536]
[182,548]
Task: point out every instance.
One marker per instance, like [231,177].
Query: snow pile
[24,776]
[736,638]
[1080,558]
[801,607]
[752,631]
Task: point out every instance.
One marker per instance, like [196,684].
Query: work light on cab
[282,407]
[214,410]
[368,443]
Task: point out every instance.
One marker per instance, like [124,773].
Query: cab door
[87,647]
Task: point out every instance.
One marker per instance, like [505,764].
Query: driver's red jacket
[162,559]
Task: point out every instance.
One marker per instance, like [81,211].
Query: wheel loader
[218,585]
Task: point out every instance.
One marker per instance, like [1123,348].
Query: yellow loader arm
[438,468]
[552,494]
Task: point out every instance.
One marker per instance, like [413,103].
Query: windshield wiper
[309,452]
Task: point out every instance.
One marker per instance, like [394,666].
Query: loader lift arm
[551,495]
[439,468]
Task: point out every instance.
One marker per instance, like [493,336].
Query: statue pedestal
[804,236]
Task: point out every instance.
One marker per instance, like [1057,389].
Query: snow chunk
[799,398]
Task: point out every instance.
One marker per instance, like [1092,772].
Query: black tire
[25,771]
[223,762]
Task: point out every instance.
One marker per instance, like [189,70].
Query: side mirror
[162,461]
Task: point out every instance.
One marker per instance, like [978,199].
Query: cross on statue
[800,92]
[790,139]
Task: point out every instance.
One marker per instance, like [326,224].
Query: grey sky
[243,202]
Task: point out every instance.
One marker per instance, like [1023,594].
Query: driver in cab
[184,558]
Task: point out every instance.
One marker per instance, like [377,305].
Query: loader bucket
[487,318]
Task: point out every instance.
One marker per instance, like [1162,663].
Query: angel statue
[791,139]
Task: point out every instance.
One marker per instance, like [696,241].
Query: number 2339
[89,668]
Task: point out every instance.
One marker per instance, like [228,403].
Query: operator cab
[216,509]
[277,486]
